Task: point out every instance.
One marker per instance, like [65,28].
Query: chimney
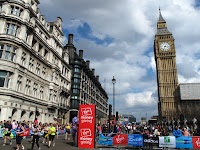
[97,78]
[88,63]
[93,70]
[70,38]
[81,54]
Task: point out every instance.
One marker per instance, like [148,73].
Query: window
[7,52]
[0,7]
[77,75]
[43,72]
[46,54]
[38,68]
[16,11]
[19,83]
[41,92]
[31,63]
[35,89]
[28,85]
[74,103]
[12,29]
[52,76]
[75,91]
[5,78]
[50,94]
[54,96]
[77,70]
[56,77]
[23,58]
[76,80]
[76,86]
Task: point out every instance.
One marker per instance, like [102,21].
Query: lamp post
[113,81]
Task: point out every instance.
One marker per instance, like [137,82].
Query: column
[23,30]
[13,83]
[2,25]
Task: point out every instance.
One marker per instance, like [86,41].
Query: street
[60,144]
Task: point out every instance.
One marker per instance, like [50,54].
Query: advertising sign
[26,132]
[86,134]
[184,142]
[196,142]
[121,139]
[167,141]
[151,140]
[105,140]
[135,139]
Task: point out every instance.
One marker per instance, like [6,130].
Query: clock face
[164,46]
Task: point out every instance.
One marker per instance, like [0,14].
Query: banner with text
[167,141]
[103,140]
[121,139]
[86,134]
[196,142]
[184,142]
[135,139]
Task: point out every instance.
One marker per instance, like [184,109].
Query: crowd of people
[46,131]
[150,130]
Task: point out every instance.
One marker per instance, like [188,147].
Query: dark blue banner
[184,142]
[135,139]
[105,140]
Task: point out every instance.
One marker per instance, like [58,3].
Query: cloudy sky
[117,37]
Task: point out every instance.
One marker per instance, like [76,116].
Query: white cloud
[129,57]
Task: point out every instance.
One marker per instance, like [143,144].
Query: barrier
[140,141]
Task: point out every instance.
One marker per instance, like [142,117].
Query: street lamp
[113,81]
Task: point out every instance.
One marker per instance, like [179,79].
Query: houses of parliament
[175,101]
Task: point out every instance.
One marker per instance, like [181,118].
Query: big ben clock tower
[167,80]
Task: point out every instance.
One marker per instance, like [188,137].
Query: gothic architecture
[167,80]
[85,85]
[35,75]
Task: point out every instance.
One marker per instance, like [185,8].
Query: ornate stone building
[85,86]
[167,80]
[35,74]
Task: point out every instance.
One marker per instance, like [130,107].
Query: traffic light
[116,115]
[110,110]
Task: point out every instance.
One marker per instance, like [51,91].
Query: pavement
[60,144]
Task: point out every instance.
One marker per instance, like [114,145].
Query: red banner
[196,142]
[86,134]
[121,139]
[26,132]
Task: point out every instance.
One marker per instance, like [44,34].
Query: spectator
[177,132]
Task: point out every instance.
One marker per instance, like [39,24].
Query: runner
[8,128]
[19,136]
[67,131]
[35,131]
[52,133]
[46,130]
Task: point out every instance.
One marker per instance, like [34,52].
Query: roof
[190,91]
[161,19]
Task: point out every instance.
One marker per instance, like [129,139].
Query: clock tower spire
[167,80]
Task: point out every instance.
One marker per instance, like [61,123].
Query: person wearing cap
[67,131]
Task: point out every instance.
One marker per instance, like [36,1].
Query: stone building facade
[35,75]
[85,85]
